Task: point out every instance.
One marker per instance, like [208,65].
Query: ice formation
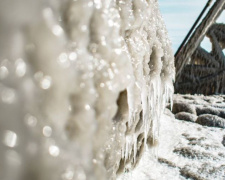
[187,150]
[82,85]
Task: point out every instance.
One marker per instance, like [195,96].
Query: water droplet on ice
[46,82]
[30,120]
[92,91]
[57,30]
[63,60]
[83,28]
[110,23]
[47,131]
[10,138]
[73,56]
[54,151]
[113,64]
[94,161]
[93,47]
[20,68]
[87,107]
[128,77]
[81,175]
[111,74]
[118,51]
[102,85]
[116,71]
[3,72]
[70,108]
[68,175]
[98,4]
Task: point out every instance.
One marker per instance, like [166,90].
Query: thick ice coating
[82,86]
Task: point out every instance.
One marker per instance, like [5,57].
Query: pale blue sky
[179,16]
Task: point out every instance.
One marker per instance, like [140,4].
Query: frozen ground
[187,150]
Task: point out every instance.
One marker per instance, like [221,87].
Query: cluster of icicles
[82,86]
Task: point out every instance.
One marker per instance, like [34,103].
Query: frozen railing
[199,71]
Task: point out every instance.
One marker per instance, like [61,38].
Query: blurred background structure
[200,59]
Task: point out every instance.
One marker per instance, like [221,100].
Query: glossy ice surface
[82,86]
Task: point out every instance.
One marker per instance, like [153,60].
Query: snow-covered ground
[187,150]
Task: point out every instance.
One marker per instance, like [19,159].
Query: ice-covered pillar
[82,86]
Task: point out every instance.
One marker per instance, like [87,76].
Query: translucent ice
[82,85]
